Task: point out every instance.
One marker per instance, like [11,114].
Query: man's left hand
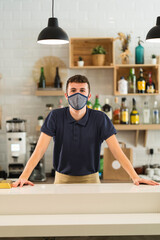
[138,181]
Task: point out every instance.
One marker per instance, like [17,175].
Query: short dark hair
[78,79]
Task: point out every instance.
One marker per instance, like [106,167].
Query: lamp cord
[52,8]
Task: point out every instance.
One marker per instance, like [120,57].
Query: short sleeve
[107,128]
[49,126]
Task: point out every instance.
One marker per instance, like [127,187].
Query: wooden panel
[83,47]
[49,93]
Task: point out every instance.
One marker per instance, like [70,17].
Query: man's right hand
[21,182]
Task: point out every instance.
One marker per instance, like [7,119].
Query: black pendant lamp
[154,34]
[53,34]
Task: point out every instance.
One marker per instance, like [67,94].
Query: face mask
[77,101]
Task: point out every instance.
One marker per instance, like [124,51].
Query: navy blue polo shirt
[77,143]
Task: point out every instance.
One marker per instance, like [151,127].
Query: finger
[21,184]
[156,183]
[30,183]
[15,184]
[136,183]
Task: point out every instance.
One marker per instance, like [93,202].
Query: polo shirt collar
[82,121]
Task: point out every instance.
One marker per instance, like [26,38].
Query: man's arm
[38,153]
[124,161]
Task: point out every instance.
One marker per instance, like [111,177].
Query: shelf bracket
[145,137]
[137,135]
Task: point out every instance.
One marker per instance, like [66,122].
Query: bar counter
[108,209]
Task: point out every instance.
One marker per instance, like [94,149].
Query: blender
[16,146]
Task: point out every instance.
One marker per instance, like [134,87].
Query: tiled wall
[20,23]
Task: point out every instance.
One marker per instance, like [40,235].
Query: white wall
[20,23]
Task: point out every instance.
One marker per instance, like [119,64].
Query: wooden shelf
[92,67]
[136,65]
[136,94]
[123,70]
[137,128]
[49,93]
[125,127]
[83,47]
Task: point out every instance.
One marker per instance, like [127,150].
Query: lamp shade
[53,34]
[154,33]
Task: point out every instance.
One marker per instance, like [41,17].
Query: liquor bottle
[139,53]
[132,81]
[60,105]
[134,115]
[123,86]
[150,86]
[124,112]
[141,83]
[97,105]
[42,80]
[116,112]
[108,109]
[57,81]
[146,113]
[155,116]
[89,104]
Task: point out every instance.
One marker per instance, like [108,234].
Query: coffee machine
[38,173]
[16,147]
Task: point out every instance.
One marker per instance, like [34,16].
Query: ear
[66,96]
[89,97]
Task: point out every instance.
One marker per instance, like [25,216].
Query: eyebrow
[76,88]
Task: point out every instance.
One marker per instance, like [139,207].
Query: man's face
[78,88]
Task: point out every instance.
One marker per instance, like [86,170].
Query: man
[78,133]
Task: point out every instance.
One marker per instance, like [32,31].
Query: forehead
[77,85]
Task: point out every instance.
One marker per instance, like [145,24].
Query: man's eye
[82,90]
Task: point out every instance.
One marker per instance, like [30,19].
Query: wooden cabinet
[123,70]
[83,47]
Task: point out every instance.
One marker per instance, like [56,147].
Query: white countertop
[80,209]
[81,189]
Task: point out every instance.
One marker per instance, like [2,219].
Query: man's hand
[139,180]
[22,181]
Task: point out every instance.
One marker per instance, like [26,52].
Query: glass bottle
[57,81]
[150,86]
[108,109]
[122,86]
[155,115]
[124,112]
[116,112]
[141,83]
[97,105]
[60,104]
[134,115]
[42,80]
[146,113]
[49,108]
[139,53]
[132,81]
[89,104]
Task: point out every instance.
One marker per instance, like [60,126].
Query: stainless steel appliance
[16,147]
[38,173]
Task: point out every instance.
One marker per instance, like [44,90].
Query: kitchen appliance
[16,146]
[38,173]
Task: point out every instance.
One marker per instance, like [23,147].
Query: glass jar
[49,108]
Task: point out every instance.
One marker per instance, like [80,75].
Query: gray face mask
[77,101]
